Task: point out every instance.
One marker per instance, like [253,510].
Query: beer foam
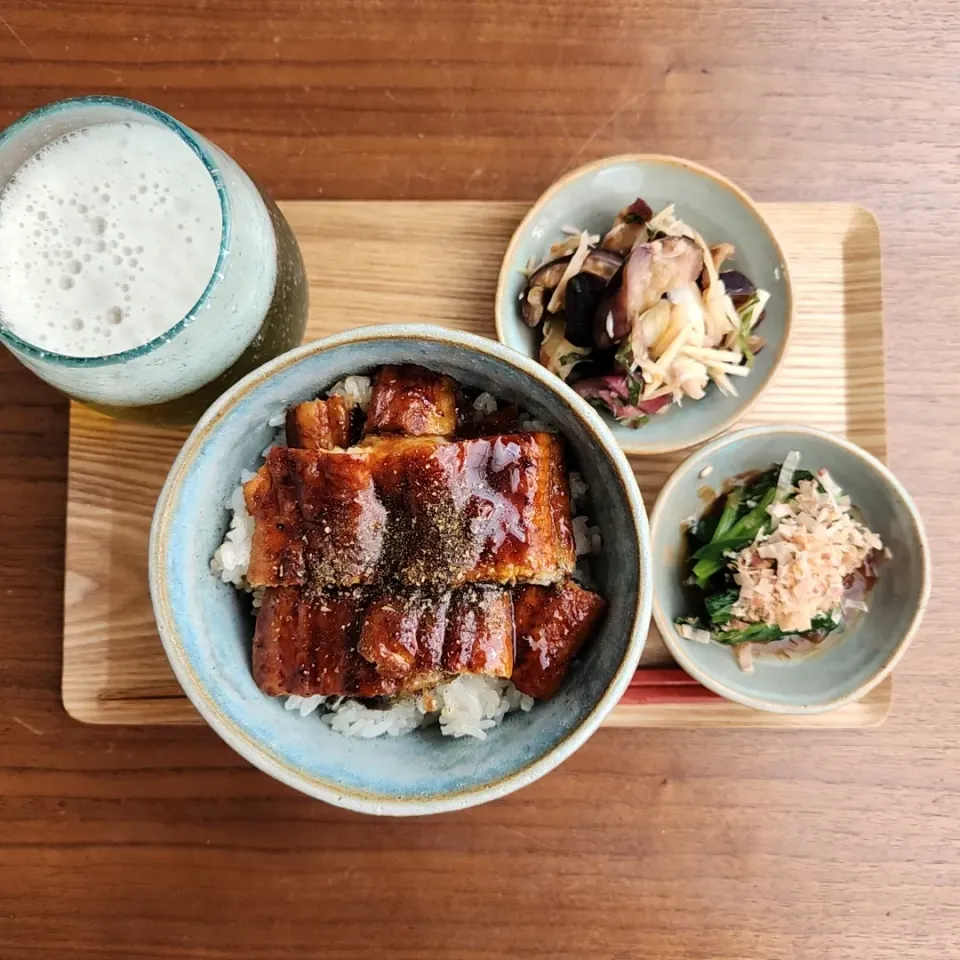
[108,237]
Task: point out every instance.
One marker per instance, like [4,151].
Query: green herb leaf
[755,488]
[710,559]
[730,509]
[767,633]
[719,605]
[755,633]
[745,313]
[703,530]
[717,548]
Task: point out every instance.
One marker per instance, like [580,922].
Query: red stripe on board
[665,685]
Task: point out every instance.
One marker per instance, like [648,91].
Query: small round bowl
[590,198]
[207,631]
[858,660]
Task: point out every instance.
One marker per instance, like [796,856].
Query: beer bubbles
[93,232]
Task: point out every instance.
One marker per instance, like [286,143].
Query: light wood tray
[437,263]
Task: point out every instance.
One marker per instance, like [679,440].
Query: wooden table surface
[161,843]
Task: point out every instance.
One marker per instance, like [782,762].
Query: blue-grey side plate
[845,669]
[590,198]
[206,628]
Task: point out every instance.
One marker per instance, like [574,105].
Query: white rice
[306,705]
[484,405]
[471,705]
[353,719]
[586,539]
[530,424]
[578,487]
[232,558]
[467,706]
[355,390]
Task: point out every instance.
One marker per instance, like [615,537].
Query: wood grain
[371,262]
[161,844]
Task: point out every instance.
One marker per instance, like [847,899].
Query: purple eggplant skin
[602,263]
[611,322]
[599,263]
[738,286]
[652,269]
[549,274]
[595,364]
[532,305]
[628,228]
[540,286]
[584,292]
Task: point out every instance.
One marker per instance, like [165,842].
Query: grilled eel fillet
[327,520]
[362,643]
[359,643]
[413,402]
[319,424]
[420,511]
[551,625]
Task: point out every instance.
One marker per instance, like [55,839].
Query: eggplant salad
[781,560]
[643,317]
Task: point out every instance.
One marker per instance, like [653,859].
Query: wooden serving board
[437,263]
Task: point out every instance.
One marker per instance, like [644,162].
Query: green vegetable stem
[710,559]
[765,633]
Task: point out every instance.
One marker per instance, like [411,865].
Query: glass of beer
[142,272]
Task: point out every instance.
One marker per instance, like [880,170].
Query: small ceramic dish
[207,630]
[853,663]
[589,199]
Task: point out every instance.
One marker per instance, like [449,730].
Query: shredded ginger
[693,336]
[795,573]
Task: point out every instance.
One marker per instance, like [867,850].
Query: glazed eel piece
[476,512]
[365,643]
[421,511]
[319,424]
[411,401]
[552,624]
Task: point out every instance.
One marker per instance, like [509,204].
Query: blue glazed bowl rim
[508,266]
[677,645]
[324,788]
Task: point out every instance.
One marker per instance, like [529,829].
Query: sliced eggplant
[738,286]
[544,280]
[595,364]
[557,353]
[652,270]
[550,274]
[533,305]
[584,292]
[602,263]
[629,228]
